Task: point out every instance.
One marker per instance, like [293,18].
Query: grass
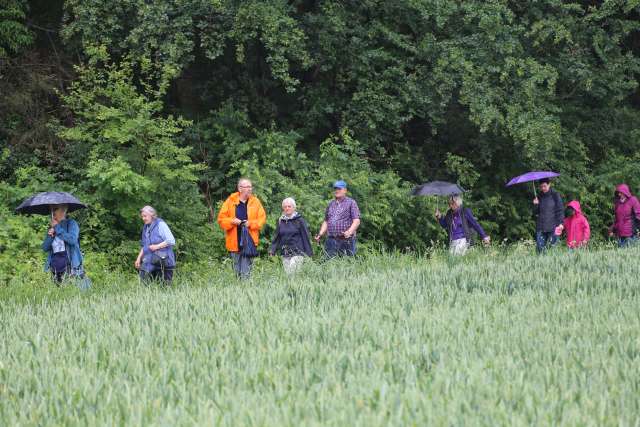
[496,338]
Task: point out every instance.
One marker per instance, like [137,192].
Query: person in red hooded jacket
[575,225]
[627,213]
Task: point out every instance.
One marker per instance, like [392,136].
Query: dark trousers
[161,275]
[58,277]
[545,239]
[624,242]
[241,265]
[340,247]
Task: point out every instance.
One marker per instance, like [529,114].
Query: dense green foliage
[381,340]
[169,102]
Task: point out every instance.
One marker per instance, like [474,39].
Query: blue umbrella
[41,203]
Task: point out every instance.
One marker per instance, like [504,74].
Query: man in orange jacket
[241,209]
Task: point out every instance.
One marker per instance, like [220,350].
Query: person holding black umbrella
[62,245]
[548,209]
[62,242]
[459,223]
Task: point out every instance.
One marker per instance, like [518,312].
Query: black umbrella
[437,188]
[41,203]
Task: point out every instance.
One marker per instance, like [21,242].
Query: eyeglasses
[246,186]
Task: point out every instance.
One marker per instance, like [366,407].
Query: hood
[575,205]
[624,189]
[295,215]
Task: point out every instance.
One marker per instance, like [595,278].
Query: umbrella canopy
[41,203]
[437,188]
[532,176]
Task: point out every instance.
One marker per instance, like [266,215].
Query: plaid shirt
[340,215]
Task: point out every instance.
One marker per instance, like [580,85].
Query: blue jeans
[241,265]
[340,247]
[545,239]
[624,242]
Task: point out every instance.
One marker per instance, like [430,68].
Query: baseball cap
[340,184]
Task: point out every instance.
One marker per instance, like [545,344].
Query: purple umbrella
[532,176]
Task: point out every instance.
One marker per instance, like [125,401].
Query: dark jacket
[549,212]
[292,237]
[467,220]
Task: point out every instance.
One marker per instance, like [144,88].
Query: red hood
[624,189]
[575,205]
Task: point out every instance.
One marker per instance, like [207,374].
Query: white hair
[291,201]
[457,198]
[150,210]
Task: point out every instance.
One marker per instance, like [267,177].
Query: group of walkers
[554,219]
[242,213]
[242,216]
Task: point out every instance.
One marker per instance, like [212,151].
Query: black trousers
[163,274]
[58,277]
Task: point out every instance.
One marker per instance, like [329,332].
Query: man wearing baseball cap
[341,220]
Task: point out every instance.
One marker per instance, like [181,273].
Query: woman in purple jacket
[627,216]
[459,222]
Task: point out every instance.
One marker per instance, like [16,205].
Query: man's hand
[486,241]
[437,214]
[317,238]
[536,201]
[137,263]
[610,233]
[246,223]
[236,221]
[51,232]
[347,234]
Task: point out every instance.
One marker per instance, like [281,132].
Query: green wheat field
[500,337]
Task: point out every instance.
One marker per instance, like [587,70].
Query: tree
[132,152]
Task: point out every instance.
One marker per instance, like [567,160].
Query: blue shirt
[69,232]
[241,213]
[165,233]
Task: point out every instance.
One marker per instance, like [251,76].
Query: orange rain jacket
[255,212]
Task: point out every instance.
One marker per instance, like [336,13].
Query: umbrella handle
[535,193]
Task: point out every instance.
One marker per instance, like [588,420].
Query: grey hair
[150,210]
[291,201]
[457,198]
